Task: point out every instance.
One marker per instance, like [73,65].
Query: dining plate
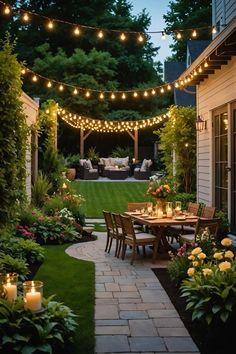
[136,212]
[151,217]
[144,215]
[180,218]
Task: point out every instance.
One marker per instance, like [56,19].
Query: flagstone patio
[133,313]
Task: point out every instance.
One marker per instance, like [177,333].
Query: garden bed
[215,339]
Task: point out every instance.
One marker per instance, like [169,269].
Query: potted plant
[72,163]
[93,155]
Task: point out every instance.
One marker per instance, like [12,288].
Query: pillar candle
[33,300]
[159,214]
[11,291]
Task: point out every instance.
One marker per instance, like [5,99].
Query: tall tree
[187,14]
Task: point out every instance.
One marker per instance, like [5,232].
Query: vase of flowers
[160,189]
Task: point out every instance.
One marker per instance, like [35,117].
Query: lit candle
[133,160]
[159,214]
[33,300]
[11,291]
[169,212]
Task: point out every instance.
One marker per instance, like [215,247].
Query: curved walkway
[133,313]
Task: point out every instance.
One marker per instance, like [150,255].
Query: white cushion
[91,170]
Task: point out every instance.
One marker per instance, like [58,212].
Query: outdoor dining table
[159,226]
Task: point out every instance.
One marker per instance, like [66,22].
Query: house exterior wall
[30,108]
[223,12]
[218,90]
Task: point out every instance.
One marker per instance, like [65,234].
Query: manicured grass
[73,283]
[109,195]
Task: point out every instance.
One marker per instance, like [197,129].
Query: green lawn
[73,283]
[109,195]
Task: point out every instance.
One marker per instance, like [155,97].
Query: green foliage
[9,264]
[187,15]
[70,201]
[224,223]
[13,135]
[28,215]
[177,269]
[23,331]
[179,136]
[210,289]
[52,168]
[92,154]
[184,198]
[26,250]
[72,161]
[40,190]
[120,151]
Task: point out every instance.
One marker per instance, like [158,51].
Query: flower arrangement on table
[159,188]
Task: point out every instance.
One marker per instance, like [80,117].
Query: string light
[25,17]
[122,34]
[87,123]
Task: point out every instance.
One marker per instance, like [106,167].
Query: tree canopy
[187,14]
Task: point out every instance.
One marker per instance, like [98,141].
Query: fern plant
[40,190]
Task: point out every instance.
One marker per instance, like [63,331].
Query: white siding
[223,11]
[30,108]
[218,90]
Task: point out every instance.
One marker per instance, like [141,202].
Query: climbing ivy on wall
[13,134]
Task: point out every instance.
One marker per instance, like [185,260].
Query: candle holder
[9,285]
[169,209]
[33,295]
[149,208]
[177,207]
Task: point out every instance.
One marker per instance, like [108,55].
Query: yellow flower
[195,263]
[218,255]
[196,251]
[201,255]
[224,266]
[191,271]
[191,257]
[226,242]
[229,254]
[207,271]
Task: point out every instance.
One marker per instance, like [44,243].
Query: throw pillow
[86,165]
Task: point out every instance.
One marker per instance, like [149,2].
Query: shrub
[210,290]
[178,266]
[123,152]
[9,264]
[23,331]
[28,216]
[40,190]
[53,205]
[29,250]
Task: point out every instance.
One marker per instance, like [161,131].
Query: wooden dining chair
[137,206]
[209,225]
[119,236]
[110,228]
[136,239]
[176,230]
[208,212]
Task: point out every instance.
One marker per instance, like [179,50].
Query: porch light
[200,124]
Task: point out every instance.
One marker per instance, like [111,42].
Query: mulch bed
[218,340]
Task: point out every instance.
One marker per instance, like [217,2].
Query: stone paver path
[133,313]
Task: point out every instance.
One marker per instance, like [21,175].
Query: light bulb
[178,36]
[101,96]
[6,10]
[50,25]
[140,38]
[77,31]
[75,92]
[100,34]
[214,30]
[123,37]
[163,35]
[194,33]
[25,17]
[206,64]
[169,87]
[123,96]
[87,94]
[49,84]
[145,93]
[153,92]
[113,96]
[34,78]
[135,94]
[61,87]
[23,71]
